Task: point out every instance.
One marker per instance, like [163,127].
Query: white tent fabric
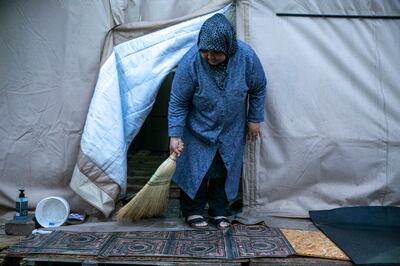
[140,19]
[332,131]
[49,62]
[50,54]
[126,89]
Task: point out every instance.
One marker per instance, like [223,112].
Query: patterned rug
[241,241]
[59,242]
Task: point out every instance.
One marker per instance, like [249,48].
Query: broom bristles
[152,199]
[149,202]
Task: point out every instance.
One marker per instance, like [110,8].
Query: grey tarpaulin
[332,131]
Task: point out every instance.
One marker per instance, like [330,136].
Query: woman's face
[213,58]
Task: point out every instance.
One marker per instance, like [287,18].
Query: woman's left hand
[253,130]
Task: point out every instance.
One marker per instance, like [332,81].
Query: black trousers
[211,191]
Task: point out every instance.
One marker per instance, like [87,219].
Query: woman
[208,112]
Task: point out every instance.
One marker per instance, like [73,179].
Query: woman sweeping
[209,113]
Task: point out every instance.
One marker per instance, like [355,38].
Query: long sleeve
[181,94]
[209,119]
[257,91]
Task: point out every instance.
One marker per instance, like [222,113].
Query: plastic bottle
[21,206]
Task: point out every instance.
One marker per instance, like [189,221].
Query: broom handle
[173,156]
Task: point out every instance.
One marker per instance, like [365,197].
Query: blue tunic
[209,118]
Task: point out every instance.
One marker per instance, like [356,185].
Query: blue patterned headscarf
[217,34]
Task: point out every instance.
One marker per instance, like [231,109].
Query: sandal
[197,222]
[221,222]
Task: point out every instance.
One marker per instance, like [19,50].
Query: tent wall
[332,131]
[332,134]
[49,60]
[50,54]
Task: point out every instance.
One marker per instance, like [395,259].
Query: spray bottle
[21,206]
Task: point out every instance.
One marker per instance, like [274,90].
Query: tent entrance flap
[124,95]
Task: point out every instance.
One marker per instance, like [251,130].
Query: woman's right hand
[176,145]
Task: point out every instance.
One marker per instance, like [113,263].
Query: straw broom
[152,199]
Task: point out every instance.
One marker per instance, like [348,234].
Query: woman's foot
[196,221]
[221,222]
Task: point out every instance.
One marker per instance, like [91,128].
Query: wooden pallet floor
[49,259]
[176,262]
[141,166]
[76,260]
[6,241]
